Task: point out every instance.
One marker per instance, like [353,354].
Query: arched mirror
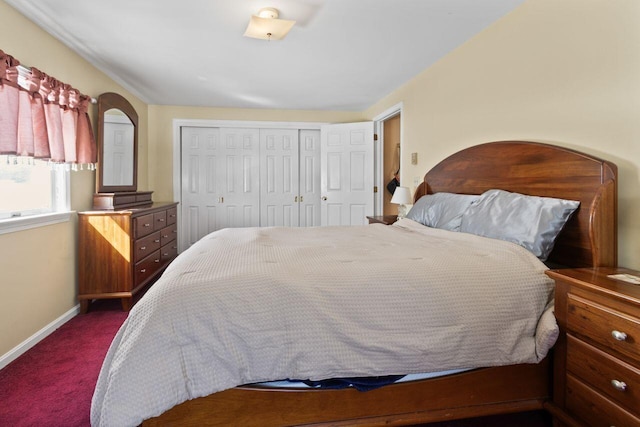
[117,145]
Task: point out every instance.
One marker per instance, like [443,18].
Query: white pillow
[441,210]
[530,221]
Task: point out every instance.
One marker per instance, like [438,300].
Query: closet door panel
[309,178]
[201,153]
[279,182]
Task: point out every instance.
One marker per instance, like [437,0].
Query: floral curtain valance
[42,117]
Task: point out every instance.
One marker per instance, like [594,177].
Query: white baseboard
[34,339]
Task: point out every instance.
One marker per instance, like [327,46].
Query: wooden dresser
[122,251]
[597,357]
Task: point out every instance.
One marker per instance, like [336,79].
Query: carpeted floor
[51,385]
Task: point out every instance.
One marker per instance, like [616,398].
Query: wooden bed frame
[589,239]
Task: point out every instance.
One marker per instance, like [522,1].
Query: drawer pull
[147,225]
[157,240]
[619,385]
[156,260]
[143,248]
[619,336]
[144,270]
[161,219]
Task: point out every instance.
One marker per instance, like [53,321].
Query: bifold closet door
[279,183]
[309,178]
[220,180]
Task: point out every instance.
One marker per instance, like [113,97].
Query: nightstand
[597,356]
[382,219]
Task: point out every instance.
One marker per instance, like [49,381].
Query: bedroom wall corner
[564,73]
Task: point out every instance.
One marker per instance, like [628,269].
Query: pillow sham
[530,221]
[441,210]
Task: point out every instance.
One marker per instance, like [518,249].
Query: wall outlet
[414,158]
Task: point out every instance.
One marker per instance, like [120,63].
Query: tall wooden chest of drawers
[597,357]
[122,251]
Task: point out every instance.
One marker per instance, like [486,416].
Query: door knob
[324,198]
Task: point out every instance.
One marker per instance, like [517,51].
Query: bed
[587,239]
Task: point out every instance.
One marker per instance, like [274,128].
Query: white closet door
[279,196]
[201,157]
[347,173]
[220,180]
[310,178]
[240,178]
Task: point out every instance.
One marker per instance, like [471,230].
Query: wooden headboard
[590,237]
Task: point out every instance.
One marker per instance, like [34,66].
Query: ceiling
[340,55]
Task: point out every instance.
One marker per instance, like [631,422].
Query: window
[32,192]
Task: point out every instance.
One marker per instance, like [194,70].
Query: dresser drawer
[168,253]
[159,220]
[172,216]
[615,378]
[146,268]
[168,234]
[146,246]
[594,409]
[143,225]
[602,325]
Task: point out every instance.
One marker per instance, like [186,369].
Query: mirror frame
[106,102]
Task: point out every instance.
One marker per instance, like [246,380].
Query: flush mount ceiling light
[266,25]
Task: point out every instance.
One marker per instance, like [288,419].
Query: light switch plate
[414,158]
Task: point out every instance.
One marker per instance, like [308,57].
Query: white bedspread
[260,304]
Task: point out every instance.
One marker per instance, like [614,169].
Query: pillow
[530,221]
[441,210]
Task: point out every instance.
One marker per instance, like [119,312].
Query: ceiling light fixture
[266,25]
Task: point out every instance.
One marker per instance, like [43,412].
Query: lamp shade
[268,27]
[401,196]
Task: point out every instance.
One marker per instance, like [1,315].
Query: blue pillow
[441,210]
[530,221]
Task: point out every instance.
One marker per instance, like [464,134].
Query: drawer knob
[619,336]
[619,385]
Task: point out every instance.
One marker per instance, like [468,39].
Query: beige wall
[161,133]
[563,72]
[38,266]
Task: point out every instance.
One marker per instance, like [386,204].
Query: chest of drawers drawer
[147,267]
[615,330]
[145,246]
[618,380]
[594,409]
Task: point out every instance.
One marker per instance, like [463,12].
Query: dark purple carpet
[51,385]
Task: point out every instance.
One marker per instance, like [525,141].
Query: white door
[201,160]
[279,195]
[219,180]
[309,178]
[240,178]
[347,173]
